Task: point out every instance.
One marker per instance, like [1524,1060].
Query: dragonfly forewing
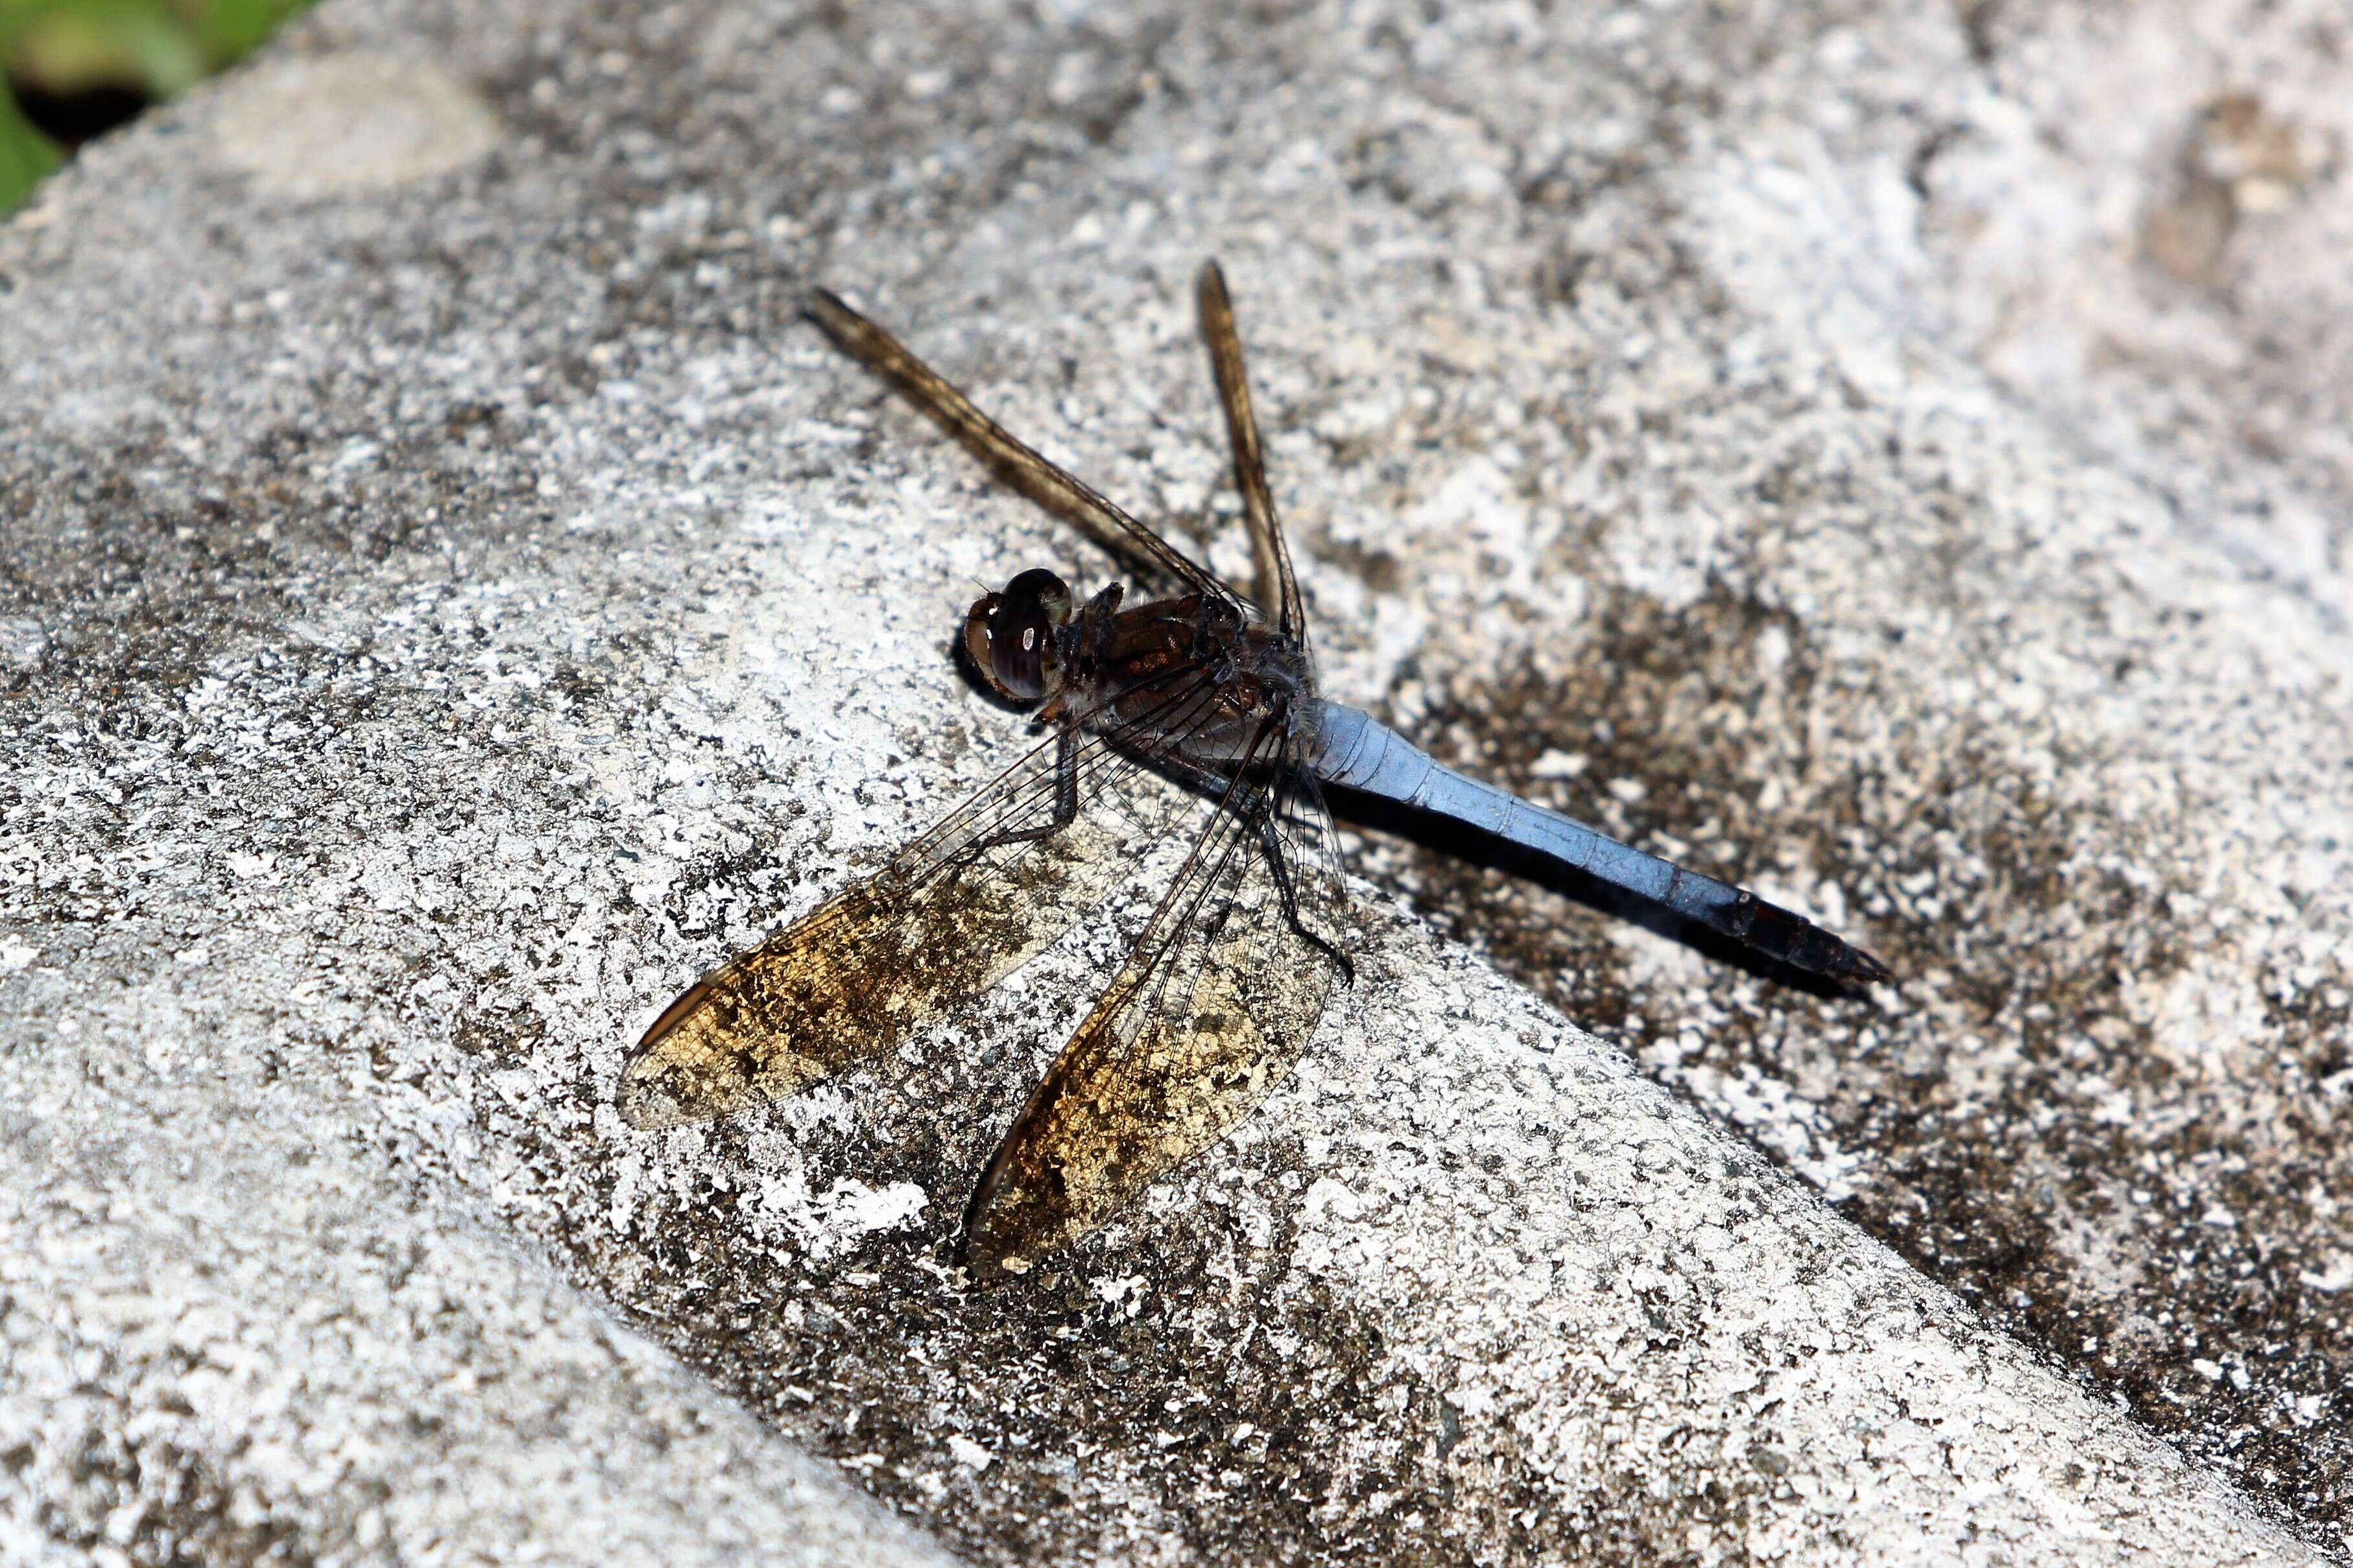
[995,884]
[1012,460]
[1274,582]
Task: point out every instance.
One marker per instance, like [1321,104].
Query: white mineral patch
[348,123]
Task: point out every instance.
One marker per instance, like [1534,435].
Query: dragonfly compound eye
[1010,635]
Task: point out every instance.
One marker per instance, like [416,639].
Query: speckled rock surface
[449,601]
[234,1335]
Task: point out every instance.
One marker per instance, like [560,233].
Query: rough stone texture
[1893,456]
[233,1334]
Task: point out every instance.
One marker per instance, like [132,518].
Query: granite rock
[451,600]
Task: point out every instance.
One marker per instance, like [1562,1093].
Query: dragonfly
[1182,730]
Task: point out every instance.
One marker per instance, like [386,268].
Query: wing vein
[1013,462]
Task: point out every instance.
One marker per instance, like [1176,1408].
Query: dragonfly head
[1010,635]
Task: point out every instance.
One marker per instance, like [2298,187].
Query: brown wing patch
[952,914]
[1210,1013]
[846,984]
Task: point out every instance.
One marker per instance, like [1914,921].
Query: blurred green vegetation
[88,63]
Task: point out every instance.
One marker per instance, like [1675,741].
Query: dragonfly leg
[1272,844]
[1066,800]
[1210,782]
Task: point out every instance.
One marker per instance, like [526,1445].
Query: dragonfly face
[1012,636]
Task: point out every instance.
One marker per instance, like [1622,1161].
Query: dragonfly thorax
[1196,673]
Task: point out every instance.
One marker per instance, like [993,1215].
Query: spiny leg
[1273,844]
[1066,800]
[1213,783]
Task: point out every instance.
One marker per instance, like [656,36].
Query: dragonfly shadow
[1472,846]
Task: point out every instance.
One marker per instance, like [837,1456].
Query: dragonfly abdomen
[1357,752]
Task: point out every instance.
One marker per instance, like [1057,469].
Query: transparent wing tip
[1020,1209]
[649,1097]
